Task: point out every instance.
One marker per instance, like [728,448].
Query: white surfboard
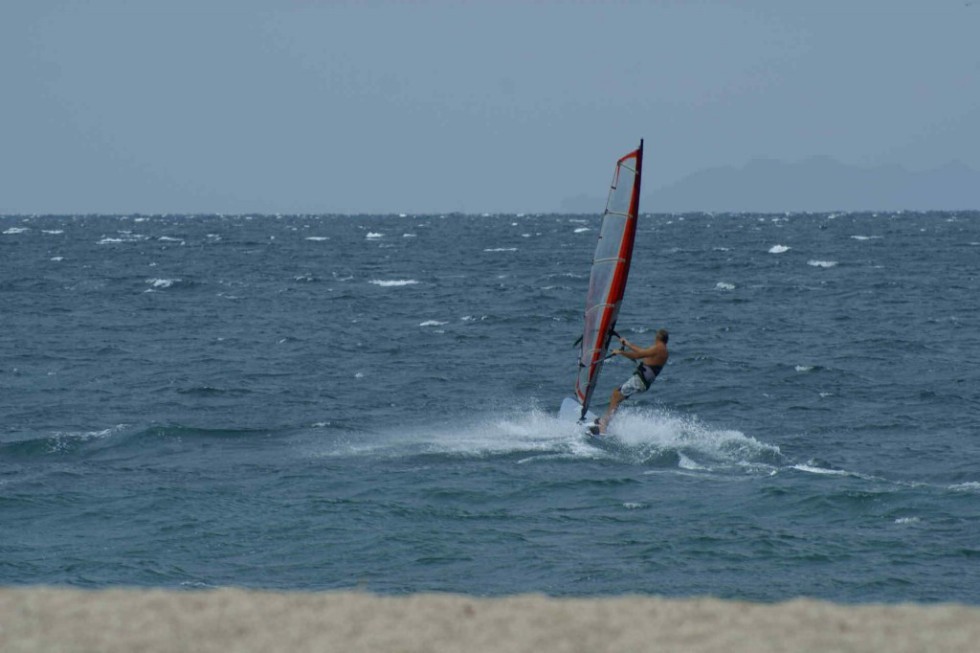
[571,410]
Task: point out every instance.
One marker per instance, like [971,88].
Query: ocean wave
[122,435]
[57,443]
[393,283]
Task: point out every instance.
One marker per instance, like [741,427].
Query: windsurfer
[651,361]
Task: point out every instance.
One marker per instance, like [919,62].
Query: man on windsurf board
[652,360]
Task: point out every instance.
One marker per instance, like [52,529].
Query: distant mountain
[818,183]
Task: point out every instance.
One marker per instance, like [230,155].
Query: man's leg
[614,400]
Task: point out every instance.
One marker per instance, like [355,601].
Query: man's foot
[593,429]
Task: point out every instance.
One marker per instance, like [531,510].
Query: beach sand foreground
[55,620]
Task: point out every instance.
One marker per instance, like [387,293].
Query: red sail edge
[610,271]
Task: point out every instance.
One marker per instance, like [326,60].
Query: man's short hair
[663,335]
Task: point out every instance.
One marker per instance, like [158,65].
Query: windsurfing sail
[610,268]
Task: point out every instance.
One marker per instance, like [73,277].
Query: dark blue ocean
[329,402]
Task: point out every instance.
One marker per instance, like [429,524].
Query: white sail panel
[610,270]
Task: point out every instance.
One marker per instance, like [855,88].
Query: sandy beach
[50,619]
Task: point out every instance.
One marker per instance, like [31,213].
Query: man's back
[658,355]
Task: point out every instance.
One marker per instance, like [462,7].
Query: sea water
[328,402]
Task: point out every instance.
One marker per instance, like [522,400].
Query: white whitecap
[125,236]
[393,283]
[724,285]
[15,230]
[57,258]
[582,230]
[804,368]
[373,234]
[428,323]
[162,283]
[822,264]
[779,249]
[53,232]
[969,486]
[317,238]
[62,439]
[500,249]
[686,463]
[821,470]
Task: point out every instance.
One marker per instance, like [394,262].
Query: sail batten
[610,270]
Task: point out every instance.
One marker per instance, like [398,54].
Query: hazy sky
[497,106]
